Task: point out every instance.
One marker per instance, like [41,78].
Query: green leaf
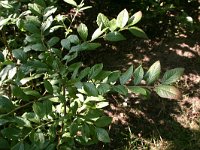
[102,75]
[167,91]
[11,133]
[29,91]
[32,28]
[38,47]
[113,25]
[1,57]
[172,75]
[126,75]
[53,41]
[66,44]
[122,18]
[5,105]
[84,73]
[90,89]
[18,146]
[73,39]
[103,121]
[46,24]
[19,54]
[103,88]
[139,90]
[138,75]
[5,4]
[35,9]
[114,36]
[49,11]
[95,70]
[153,73]
[135,18]
[4,145]
[114,76]
[102,104]
[38,109]
[19,93]
[83,31]
[89,46]
[102,135]
[21,122]
[71,2]
[102,20]
[138,32]
[121,89]
[47,106]
[48,86]
[97,33]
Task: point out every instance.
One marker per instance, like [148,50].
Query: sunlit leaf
[172,75]
[135,18]
[167,91]
[138,75]
[153,73]
[71,2]
[102,20]
[122,18]
[49,11]
[83,31]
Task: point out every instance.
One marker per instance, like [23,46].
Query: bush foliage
[49,99]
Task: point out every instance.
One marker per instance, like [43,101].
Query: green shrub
[48,98]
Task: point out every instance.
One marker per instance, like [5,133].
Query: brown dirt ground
[155,123]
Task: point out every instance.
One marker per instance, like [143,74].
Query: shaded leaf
[102,135]
[103,121]
[121,89]
[1,57]
[48,86]
[53,41]
[5,105]
[114,76]
[126,75]
[114,36]
[65,43]
[89,46]
[167,91]
[19,54]
[103,88]
[95,70]
[90,89]
[138,32]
